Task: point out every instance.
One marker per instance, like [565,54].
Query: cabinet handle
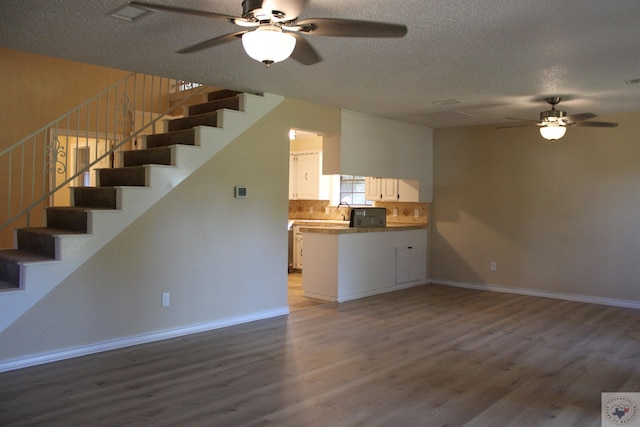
[305,176]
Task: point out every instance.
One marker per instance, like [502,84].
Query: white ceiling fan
[554,123]
[271,31]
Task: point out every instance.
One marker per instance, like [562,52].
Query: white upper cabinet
[306,181]
[391,189]
[408,190]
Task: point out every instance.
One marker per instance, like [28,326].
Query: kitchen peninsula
[343,263]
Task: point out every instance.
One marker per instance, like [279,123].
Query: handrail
[37,167]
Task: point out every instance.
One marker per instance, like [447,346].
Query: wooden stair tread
[81,208]
[231,103]
[18,255]
[49,231]
[221,94]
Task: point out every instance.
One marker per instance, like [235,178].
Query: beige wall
[219,257]
[306,142]
[37,89]
[557,217]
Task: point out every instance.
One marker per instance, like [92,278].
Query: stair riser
[67,219]
[133,176]
[91,197]
[155,156]
[228,103]
[185,137]
[42,244]
[207,119]
[10,272]
[221,94]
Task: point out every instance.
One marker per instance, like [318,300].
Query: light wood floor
[428,356]
[297,300]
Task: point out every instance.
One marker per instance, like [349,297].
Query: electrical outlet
[166,299]
[493,266]
[416,213]
[395,212]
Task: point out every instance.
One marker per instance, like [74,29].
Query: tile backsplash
[320,209]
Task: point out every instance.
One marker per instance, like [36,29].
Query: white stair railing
[37,171]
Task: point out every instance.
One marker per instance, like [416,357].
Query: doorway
[74,154]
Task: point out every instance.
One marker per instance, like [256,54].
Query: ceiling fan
[271,31]
[553,123]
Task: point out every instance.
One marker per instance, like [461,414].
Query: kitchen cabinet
[306,181]
[391,189]
[297,249]
[371,188]
[304,175]
[408,190]
[381,189]
[409,264]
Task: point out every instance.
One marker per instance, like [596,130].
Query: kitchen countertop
[326,227]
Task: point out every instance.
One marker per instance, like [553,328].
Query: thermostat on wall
[241,192]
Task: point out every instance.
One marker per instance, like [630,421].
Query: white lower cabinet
[297,249]
[409,264]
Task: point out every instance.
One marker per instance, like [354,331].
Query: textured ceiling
[498,58]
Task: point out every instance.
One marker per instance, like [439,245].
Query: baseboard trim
[383,290]
[55,356]
[538,293]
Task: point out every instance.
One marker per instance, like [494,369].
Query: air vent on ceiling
[129,13]
[633,81]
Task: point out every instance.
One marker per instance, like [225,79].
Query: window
[352,190]
[183,85]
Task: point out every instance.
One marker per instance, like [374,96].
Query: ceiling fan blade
[304,53]
[185,11]
[596,124]
[522,120]
[580,117]
[516,126]
[350,28]
[216,41]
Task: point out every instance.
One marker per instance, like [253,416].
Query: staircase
[47,255]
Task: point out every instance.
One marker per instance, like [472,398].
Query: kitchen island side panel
[320,270]
[342,267]
[367,265]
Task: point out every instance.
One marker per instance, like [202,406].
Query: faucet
[348,209]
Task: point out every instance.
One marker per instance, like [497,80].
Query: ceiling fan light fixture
[268,44]
[552,131]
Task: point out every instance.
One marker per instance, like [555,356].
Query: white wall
[373,146]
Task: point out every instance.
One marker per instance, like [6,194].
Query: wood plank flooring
[427,356]
[297,300]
